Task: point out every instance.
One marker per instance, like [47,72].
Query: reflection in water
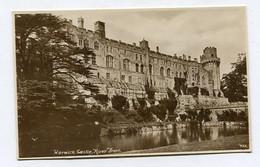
[147,140]
[140,141]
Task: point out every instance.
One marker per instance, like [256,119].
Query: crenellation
[138,65]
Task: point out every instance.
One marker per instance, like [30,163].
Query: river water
[128,142]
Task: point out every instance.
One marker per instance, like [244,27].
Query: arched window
[162,71]
[137,67]
[168,72]
[180,75]
[150,68]
[86,43]
[98,75]
[109,61]
[142,68]
[126,63]
[96,45]
[177,74]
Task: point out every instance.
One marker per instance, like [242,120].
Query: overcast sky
[181,31]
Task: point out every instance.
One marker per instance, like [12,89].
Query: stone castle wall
[125,68]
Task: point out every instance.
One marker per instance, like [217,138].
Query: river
[128,142]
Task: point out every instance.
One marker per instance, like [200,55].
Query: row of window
[174,65]
[85,43]
[168,72]
[123,78]
[126,64]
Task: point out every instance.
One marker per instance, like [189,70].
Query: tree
[45,50]
[234,84]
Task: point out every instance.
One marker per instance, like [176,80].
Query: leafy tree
[234,84]
[45,50]
[118,102]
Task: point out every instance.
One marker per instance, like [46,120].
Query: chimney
[184,57]
[100,29]
[189,58]
[80,22]
[157,49]
[70,21]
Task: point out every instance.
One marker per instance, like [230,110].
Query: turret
[211,62]
[80,22]
[100,29]
[144,44]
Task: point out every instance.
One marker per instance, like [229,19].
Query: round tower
[211,62]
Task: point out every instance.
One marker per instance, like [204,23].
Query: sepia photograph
[131,82]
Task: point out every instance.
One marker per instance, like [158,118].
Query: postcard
[131,82]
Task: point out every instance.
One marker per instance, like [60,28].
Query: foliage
[193,90]
[234,84]
[118,102]
[170,104]
[204,91]
[45,50]
[199,115]
[103,99]
[170,93]
[36,94]
[149,90]
[231,115]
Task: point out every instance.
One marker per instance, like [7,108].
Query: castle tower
[144,44]
[100,29]
[80,22]
[211,62]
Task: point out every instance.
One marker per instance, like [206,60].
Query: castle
[126,69]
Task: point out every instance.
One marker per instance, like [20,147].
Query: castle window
[177,74]
[123,77]
[150,69]
[212,55]
[136,56]
[93,58]
[98,75]
[130,79]
[142,68]
[96,45]
[180,75]
[126,63]
[109,61]
[162,71]
[137,67]
[108,75]
[86,43]
[168,72]
[141,58]
[80,42]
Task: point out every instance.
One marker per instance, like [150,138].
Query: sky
[182,30]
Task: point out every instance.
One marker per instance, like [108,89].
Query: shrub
[193,90]
[101,97]
[141,101]
[204,91]
[118,102]
[170,104]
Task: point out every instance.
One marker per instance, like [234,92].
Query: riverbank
[239,142]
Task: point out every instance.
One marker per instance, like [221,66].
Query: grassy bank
[240,142]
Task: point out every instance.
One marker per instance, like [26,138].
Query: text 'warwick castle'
[126,69]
